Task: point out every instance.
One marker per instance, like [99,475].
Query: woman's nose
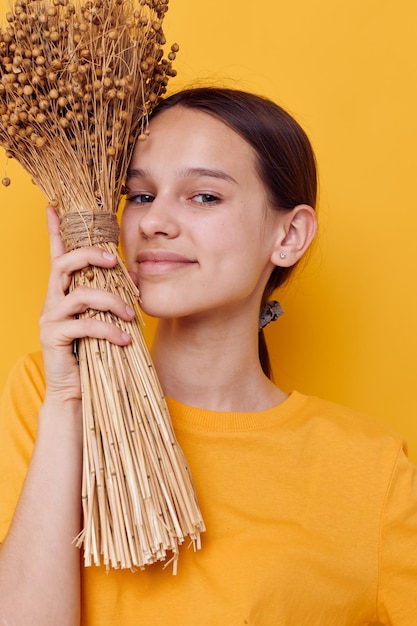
[158,220]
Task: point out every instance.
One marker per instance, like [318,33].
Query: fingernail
[130,311]
[109,256]
[125,337]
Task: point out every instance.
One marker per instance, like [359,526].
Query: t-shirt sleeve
[397,593]
[19,406]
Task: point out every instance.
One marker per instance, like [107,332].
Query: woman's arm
[39,565]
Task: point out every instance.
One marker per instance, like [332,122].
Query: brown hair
[285,158]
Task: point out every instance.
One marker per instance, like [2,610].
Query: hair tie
[271,312]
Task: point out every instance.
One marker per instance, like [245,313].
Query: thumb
[57,247]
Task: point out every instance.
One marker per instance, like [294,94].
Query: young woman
[311,509]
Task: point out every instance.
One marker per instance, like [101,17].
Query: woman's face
[196,229]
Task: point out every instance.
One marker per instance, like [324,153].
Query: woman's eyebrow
[188,173]
[203,171]
[136,173]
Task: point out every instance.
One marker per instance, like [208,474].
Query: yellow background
[348,72]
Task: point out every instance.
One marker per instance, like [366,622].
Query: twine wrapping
[85,228]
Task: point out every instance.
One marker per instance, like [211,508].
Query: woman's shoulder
[25,386]
[345,427]
[343,416]
[31,362]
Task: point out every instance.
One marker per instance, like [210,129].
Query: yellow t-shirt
[310,508]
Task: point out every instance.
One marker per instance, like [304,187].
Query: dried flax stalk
[77,83]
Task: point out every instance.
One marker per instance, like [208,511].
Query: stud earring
[282,255]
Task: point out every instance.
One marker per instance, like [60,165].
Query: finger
[61,334]
[84,299]
[57,247]
[62,268]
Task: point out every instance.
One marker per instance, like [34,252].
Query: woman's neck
[215,369]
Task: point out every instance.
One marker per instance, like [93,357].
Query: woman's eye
[140,198]
[205,198]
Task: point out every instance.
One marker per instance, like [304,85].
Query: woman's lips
[159,262]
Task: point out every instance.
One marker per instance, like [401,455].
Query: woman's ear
[296,231]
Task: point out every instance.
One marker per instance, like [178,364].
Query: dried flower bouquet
[77,83]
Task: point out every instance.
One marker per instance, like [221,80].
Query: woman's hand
[59,328]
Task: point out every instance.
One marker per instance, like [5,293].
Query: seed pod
[89,274]
[6,181]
